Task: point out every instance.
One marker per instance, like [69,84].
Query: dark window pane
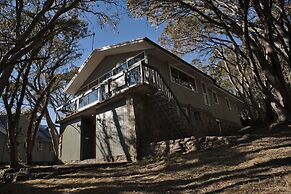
[135,59]
[133,76]
[93,96]
[83,101]
[183,79]
[215,97]
[120,68]
[204,88]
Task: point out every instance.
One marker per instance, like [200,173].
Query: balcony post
[141,73]
[77,104]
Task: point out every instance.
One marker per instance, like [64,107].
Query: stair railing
[152,76]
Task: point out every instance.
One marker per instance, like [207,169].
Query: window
[119,68]
[215,98]
[205,95]
[183,79]
[228,104]
[105,76]
[93,95]
[204,88]
[192,83]
[218,125]
[136,59]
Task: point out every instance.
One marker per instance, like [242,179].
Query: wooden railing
[138,74]
[152,76]
[107,89]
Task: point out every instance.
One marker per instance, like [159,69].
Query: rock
[190,146]
[187,139]
[176,148]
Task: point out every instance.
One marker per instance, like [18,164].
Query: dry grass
[258,165]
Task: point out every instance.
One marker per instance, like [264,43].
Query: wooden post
[141,73]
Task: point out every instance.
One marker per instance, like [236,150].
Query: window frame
[193,89]
[228,105]
[205,94]
[214,93]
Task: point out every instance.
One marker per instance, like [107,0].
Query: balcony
[133,73]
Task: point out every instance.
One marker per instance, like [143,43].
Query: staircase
[167,111]
[165,106]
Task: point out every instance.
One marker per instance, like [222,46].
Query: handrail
[171,93]
[129,62]
[101,86]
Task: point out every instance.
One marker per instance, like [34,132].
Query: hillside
[259,164]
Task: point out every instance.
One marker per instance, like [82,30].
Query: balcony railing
[139,73]
[105,90]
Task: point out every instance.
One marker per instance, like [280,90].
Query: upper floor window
[119,68]
[215,97]
[183,79]
[228,104]
[135,59]
[205,94]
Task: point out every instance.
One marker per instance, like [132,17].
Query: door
[88,138]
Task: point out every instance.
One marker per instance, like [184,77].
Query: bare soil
[259,164]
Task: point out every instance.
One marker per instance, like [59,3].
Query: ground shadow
[212,171]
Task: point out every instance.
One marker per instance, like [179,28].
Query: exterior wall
[160,64]
[43,152]
[71,141]
[221,111]
[4,155]
[115,132]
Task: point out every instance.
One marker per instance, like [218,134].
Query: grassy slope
[260,164]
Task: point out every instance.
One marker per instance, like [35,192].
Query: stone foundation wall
[187,145]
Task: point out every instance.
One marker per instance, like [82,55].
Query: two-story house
[130,94]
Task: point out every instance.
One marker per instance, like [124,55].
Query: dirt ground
[260,164]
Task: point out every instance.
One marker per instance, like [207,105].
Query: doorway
[88,140]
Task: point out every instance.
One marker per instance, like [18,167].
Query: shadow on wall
[102,141]
[106,138]
[123,144]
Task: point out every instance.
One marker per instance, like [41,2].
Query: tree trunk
[54,134]
[29,153]
[13,151]
[283,115]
